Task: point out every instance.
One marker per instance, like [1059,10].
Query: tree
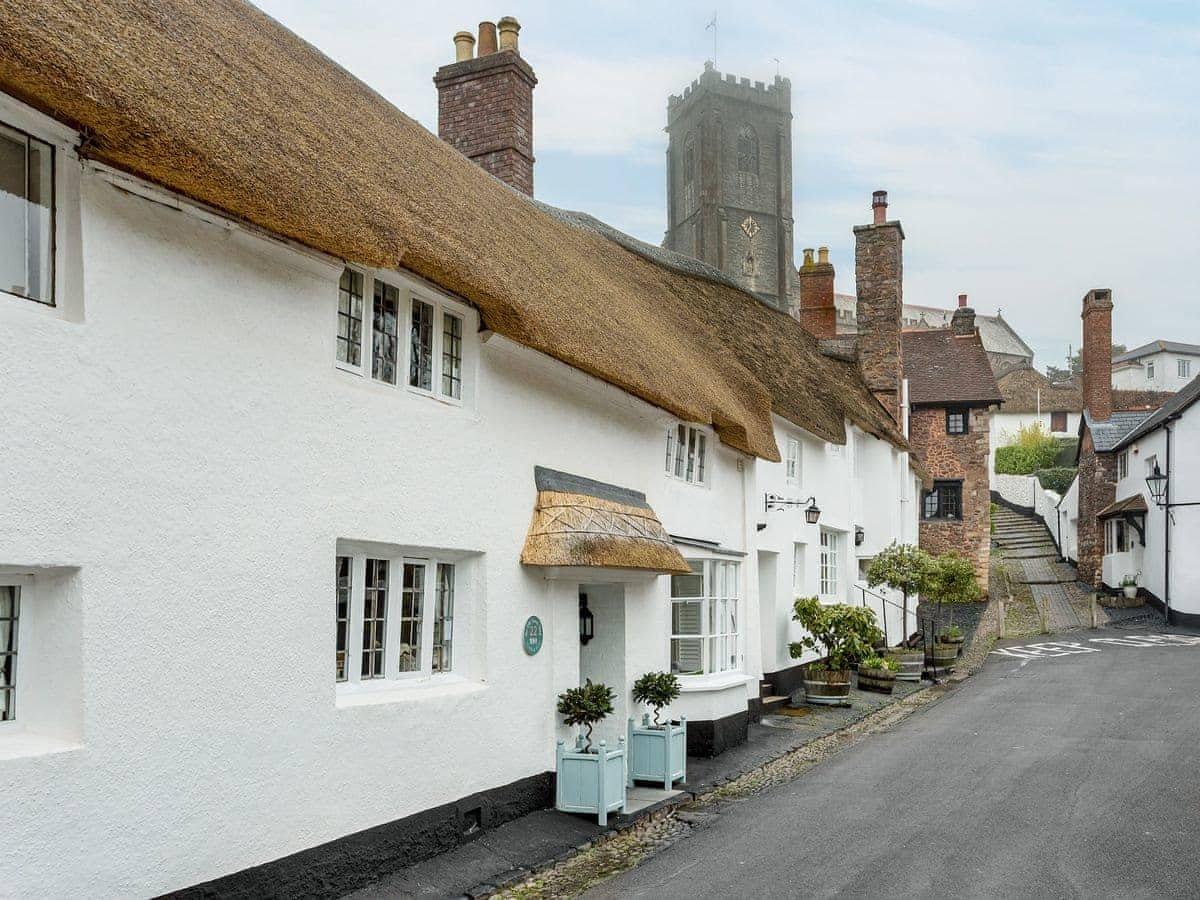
[952,580]
[656,690]
[1075,365]
[586,705]
[845,633]
[902,567]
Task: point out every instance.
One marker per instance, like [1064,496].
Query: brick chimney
[818,314]
[962,323]
[879,277]
[1097,353]
[485,103]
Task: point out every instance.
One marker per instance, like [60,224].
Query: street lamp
[812,512]
[1157,482]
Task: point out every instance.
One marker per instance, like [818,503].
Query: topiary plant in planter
[587,705]
[656,690]
[902,567]
[845,634]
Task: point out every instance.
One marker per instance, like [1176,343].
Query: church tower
[729,181]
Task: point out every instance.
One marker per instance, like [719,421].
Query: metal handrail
[903,611]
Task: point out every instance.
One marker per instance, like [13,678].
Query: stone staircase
[1025,537]
[771,702]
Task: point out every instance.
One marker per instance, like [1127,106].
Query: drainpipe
[1167,534]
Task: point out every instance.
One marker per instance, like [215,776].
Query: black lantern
[812,513]
[1157,482]
[587,621]
[859,535]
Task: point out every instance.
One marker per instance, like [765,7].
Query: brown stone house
[951,393]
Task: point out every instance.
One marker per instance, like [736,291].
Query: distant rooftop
[1158,347]
[998,336]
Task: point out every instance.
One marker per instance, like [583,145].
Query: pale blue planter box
[657,754]
[590,782]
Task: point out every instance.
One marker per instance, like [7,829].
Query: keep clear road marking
[1052,649]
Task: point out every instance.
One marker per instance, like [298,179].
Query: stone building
[729,181]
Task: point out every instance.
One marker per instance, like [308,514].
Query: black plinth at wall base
[715,736]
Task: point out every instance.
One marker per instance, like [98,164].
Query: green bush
[1033,449]
[846,633]
[1068,449]
[656,690]
[586,705]
[1057,479]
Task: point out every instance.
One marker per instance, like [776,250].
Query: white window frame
[682,465]
[794,462]
[24,586]
[396,560]
[830,566]
[1150,370]
[1116,533]
[442,307]
[721,593]
[1184,368]
[1122,465]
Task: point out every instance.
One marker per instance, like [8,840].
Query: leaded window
[412,595]
[830,585]
[386,342]
[957,421]
[443,619]
[26,216]
[342,612]
[420,358]
[10,611]
[705,618]
[451,356]
[747,150]
[374,631]
[350,312]
[944,501]
[687,450]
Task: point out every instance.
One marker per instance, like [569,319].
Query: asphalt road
[1044,775]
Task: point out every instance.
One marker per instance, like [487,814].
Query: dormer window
[686,454]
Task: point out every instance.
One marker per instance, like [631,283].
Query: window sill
[380,692]
[21,744]
[718,681]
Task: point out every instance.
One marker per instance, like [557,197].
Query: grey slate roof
[998,336]
[564,482]
[1158,347]
[1107,435]
[1169,410]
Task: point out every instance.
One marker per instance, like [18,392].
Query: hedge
[1018,460]
[1057,479]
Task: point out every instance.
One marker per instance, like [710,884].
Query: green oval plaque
[531,636]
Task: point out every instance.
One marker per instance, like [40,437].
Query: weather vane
[713,25]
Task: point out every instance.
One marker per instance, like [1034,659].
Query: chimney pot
[823,255]
[487,38]
[962,300]
[464,46]
[509,30]
[879,205]
[808,257]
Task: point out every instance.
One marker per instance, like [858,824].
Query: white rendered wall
[1166,373]
[1005,426]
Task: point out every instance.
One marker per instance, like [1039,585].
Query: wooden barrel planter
[912,662]
[827,688]
[943,656]
[879,680]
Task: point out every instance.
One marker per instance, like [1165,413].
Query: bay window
[705,618]
[26,216]
[430,351]
[394,615]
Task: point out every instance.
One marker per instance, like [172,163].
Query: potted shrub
[878,673]
[589,780]
[1129,586]
[845,634]
[910,662]
[657,750]
[951,634]
[902,567]
[951,581]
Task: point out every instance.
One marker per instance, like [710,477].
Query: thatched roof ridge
[217,101]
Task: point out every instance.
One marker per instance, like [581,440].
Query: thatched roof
[217,101]
[581,522]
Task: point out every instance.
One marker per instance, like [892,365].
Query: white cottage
[320,438]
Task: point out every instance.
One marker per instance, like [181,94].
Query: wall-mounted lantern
[1157,482]
[587,621]
[812,512]
[859,535]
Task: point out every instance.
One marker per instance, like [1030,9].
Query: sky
[1032,150]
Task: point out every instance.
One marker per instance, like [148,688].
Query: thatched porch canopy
[581,522]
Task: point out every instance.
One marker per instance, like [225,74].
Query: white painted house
[316,448]
[1154,537]
[1157,366]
